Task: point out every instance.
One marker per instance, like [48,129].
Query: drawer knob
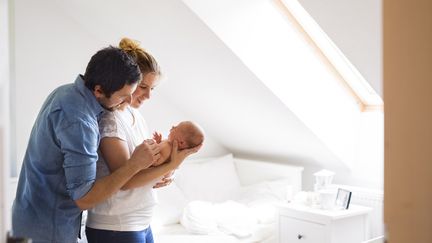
[299,237]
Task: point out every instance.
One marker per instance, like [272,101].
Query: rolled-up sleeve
[79,143]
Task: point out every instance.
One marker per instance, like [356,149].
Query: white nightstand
[298,223]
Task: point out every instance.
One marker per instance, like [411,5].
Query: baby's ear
[181,144]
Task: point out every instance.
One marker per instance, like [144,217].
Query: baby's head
[188,135]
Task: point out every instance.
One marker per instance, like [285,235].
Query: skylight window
[359,88]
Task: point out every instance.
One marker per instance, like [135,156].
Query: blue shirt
[59,166]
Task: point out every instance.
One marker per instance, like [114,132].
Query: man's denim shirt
[59,166]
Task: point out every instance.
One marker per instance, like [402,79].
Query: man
[58,175]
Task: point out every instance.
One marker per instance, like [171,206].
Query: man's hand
[145,154]
[157,137]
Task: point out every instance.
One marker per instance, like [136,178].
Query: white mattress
[177,233]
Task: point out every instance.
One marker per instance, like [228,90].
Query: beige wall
[408,120]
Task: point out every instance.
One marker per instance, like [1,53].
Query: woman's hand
[178,156]
[176,159]
[166,180]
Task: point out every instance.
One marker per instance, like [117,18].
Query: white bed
[177,233]
[246,187]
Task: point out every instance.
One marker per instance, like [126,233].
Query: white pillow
[214,180]
[169,209]
[261,197]
[271,190]
[281,188]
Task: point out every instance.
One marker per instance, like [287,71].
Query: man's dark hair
[111,68]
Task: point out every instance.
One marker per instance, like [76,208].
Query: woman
[126,216]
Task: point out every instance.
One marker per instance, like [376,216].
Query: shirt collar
[91,100]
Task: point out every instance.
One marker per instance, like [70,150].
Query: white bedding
[178,234]
[214,205]
[232,218]
[251,218]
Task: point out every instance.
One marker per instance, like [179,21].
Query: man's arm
[143,157]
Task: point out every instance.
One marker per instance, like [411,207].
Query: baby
[187,134]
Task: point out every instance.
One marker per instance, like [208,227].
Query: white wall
[155,112]
[5,218]
[51,49]
[206,81]
[356,28]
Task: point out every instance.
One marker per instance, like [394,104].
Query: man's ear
[98,92]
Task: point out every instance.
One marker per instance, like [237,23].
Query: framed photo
[343,198]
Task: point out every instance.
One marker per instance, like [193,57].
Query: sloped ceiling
[356,28]
[205,80]
[274,48]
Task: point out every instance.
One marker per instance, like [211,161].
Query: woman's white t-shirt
[129,210]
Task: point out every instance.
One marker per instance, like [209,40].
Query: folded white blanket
[235,218]
[199,217]
[252,210]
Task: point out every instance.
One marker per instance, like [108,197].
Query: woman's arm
[148,175]
[116,153]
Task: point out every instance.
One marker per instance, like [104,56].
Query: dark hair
[111,68]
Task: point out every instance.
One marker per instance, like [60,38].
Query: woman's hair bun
[129,45]
[145,60]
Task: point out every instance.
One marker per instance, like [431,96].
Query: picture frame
[343,198]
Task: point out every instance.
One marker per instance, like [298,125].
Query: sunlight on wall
[359,87]
[282,56]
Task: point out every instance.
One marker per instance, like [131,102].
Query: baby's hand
[157,137]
